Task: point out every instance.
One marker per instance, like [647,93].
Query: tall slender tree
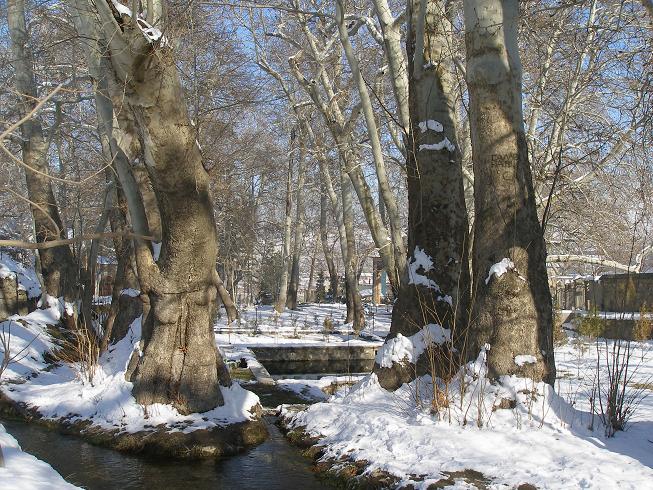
[57,264]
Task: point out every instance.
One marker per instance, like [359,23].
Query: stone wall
[622,292]
[612,292]
[13,300]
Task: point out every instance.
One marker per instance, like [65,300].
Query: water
[275,464]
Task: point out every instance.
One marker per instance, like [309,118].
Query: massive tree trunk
[179,361]
[57,265]
[437,292]
[293,285]
[512,310]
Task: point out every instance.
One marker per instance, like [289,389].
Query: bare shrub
[643,330]
[617,396]
[80,348]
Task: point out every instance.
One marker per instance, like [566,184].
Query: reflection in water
[275,464]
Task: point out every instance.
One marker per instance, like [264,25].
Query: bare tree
[57,266]
[179,362]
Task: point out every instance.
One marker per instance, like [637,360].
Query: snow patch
[445,143]
[421,260]
[156,250]
[133,293]
[122,9]
[523,359]
[408,349]
[499,269]
[424,126]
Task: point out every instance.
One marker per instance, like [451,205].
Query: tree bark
[437,216]
[513,311]
[57,265]
[385,193]
[344,220]
[227,300]
[355,311]
[392,253]
[179,362]
[324,239]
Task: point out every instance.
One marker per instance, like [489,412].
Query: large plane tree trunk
[436,293]
[179,362]
[57,265]
[512,310]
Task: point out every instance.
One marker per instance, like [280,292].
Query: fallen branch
[68,241]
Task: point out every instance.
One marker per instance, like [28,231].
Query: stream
[275,464]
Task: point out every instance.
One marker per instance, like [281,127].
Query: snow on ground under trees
[548,438]
[103,397]
[544,440]
[311,324]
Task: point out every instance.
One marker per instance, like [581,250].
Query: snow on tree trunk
[437,290]
[512,308]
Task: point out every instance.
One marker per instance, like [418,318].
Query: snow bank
[28,339]
[544,440]
[314,389]
[408,349]
[23,471]
[107,402]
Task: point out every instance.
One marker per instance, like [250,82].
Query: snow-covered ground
[546,440]
[22,471]
[262,326]
[106,399]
